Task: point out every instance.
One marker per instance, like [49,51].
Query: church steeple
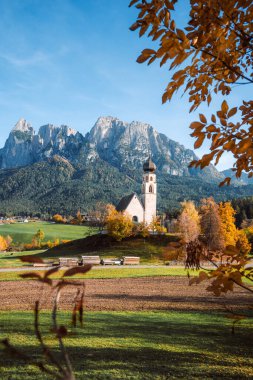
[149,166]
[149,190]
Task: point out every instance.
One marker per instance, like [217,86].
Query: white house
[144,209]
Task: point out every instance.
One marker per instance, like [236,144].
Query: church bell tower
[149,190]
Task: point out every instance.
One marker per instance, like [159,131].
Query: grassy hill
[23,232]
[151,249]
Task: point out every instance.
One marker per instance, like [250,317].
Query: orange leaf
[224,107]
[244,145]
[196,124]
[202,118]
[199,141]
[232,112]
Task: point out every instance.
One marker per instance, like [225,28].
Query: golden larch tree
[228,228]
[189,222]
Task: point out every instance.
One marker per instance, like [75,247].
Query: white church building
[144,209]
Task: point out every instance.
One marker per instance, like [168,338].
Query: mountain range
[58,169]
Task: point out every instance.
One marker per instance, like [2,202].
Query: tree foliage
[156,225]
[243,244]
[228,228]
[57,218]
[209,56]
[38,237]
[211,226]
[189,222]
[119,224]
[3,243]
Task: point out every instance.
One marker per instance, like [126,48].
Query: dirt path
[149,293]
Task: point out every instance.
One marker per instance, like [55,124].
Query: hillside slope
[55,185]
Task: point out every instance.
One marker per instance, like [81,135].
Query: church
[144,209]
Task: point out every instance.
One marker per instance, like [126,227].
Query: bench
[114,261]
[42,265]
[93,260]
[69,261]
[131,260]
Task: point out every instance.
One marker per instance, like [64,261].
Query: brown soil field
[149,293]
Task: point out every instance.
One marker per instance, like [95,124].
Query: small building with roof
[142,209]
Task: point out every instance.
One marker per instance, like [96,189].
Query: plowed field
[148,293]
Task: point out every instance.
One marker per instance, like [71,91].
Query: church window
[151,178]
[147,178]
[150,189]
[135,219]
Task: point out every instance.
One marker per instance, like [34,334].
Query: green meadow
[23,232]
[110,272]
[136,345]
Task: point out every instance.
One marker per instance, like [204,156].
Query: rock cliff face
[122,145]
[129,144]
[18,149]
[23,147]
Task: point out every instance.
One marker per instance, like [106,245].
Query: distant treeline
[243,208]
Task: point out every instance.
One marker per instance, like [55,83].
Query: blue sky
[71,61]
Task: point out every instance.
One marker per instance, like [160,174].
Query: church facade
[142,209]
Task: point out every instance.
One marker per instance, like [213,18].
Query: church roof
[125,201]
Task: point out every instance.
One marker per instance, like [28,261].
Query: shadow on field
[147,346]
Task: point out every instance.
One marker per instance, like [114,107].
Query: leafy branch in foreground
[214,52]
[53,365]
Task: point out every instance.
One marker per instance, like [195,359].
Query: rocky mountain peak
[68,131]
[105,121]
[23,126]
[123,145]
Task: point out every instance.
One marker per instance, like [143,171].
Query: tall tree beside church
[211,55]
[228,228]
[189,222]
[211,226]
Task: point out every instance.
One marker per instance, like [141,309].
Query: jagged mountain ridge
[25,147]
[120,144]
